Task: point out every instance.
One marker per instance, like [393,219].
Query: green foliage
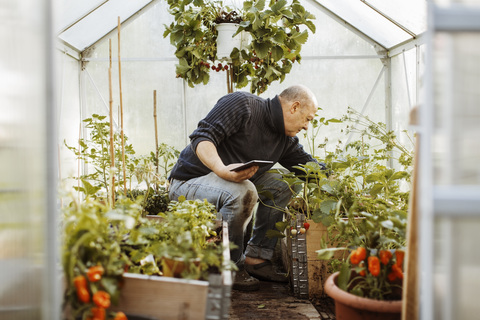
[93,234]
[191,236]
[361,201]
[277,32]
[152,170]
[122,238]
[95,152]
[153,201]
[165,159]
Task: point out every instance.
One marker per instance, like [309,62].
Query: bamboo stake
[112,154]
[155,122]
[121,113]
[230,79]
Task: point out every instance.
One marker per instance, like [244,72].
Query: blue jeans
[235,202]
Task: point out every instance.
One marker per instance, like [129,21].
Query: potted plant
[357,181]
[106,251]
[277,34]
[369,283]
[92,257]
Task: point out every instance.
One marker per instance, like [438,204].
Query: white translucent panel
[462,2]
[72,11]
[332,38]
[456,268]
[457,114]
[26,290]
[411,14]
[100,22]
[367,21]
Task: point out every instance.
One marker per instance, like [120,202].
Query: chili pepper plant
[365,209]
[101,243]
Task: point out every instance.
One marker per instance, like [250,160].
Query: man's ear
[294,107]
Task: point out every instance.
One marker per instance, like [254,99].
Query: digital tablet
[252,163]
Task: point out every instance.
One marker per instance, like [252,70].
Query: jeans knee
[246,199]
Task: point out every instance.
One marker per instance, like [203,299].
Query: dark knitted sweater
[243,127]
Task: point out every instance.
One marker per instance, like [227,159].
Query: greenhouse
[124,123]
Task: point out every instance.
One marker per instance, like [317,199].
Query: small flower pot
[226,42]
[352,307]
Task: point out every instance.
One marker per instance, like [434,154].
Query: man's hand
[236,176]
[207,153]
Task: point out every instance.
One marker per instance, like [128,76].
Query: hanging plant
[277,32]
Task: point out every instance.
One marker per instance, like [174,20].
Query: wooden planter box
[307,273]
[166,298]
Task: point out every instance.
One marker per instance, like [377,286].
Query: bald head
[299,93]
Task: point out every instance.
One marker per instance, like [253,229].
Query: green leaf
[311,26]
[261,48]
[328,206]
[278,6]
[387,224]
[343,277]
[376,189]
[259,5]
[274,234]
[88,188]
[327,253]
[301,37]
[357,290]
[277,53]
[399,175]
[282,225]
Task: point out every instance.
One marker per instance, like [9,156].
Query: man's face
[298,118]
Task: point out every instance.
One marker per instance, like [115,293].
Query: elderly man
[243,127]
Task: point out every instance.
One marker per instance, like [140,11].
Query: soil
[276,301]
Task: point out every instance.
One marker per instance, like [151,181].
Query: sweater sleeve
[227,117]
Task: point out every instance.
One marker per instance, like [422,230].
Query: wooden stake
[229,79]
[121,113]
[410,308]
[112,152]
[155,122]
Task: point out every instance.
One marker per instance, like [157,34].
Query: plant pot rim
[385,306]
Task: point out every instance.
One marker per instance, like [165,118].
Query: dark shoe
[265,271]
[244,282]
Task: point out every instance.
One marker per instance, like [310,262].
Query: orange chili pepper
[399,254]
[83,295]
[101,299]
[392,276]
[398,271]
[363,273]
[98,313]
[95,273]
[385,256]
[120,316]
[362,253]
[374,265]
[358,255]
[80,282]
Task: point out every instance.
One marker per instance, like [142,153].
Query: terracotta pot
[351,307]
